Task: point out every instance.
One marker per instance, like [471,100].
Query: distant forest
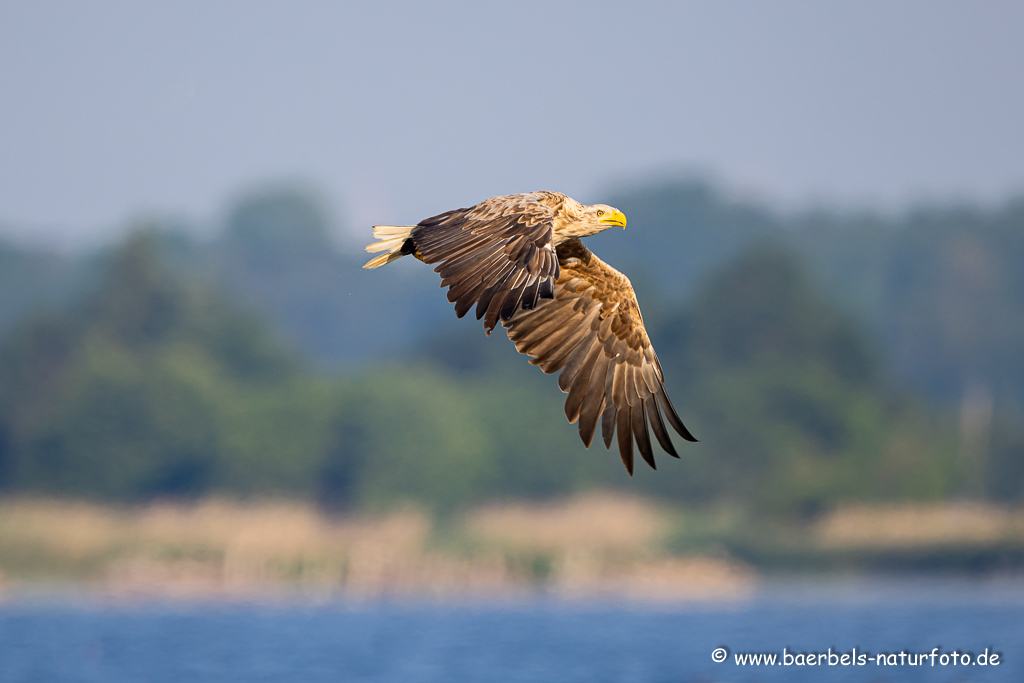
[821,357]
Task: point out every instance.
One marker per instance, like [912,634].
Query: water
[540,640]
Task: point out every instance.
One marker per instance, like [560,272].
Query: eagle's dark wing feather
[592,331]
[498,255]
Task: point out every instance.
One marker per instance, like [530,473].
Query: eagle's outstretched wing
[593,332]
[496,255]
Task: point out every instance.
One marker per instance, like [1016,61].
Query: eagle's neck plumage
[572,220]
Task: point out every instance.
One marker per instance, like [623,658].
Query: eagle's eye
[600,213]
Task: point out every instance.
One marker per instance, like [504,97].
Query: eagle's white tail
[391,237]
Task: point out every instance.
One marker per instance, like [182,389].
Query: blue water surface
[542,639]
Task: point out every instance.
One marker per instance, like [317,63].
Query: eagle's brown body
[519,259]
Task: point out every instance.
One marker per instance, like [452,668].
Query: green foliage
[153,384]
[417,434]
[1004,470]
[762,309]
[32,279]
[156,388]
[791,440]
[785,393]
[142,392]
[406,436]
[274,228]
[277,256]
[123,427]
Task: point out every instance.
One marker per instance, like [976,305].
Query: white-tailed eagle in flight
[519,259]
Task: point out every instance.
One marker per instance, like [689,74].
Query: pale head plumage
[578,220]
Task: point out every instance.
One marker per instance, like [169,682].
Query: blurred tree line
[821,359]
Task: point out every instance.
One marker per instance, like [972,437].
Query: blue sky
[396,111]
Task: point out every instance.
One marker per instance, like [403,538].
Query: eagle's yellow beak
[615,217]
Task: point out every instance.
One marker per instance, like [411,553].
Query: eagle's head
[597,217]
[607,216]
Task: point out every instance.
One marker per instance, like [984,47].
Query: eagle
[519,260]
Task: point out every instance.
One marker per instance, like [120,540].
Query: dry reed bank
[597,545]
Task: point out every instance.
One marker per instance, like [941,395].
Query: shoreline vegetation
[597,545]
[844,375]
